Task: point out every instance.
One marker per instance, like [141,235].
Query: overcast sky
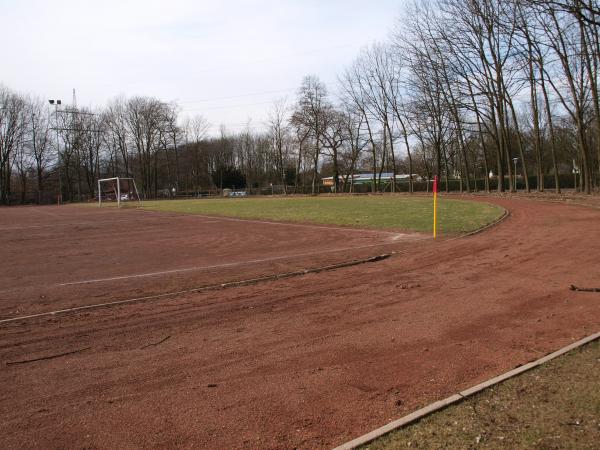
[227,60]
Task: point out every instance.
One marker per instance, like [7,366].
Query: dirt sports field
[304,362]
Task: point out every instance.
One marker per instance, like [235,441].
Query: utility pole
[73,125]
[515,172]
[33,143]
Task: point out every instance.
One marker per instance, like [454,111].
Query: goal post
[117,189]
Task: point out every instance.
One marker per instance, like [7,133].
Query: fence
[566,181]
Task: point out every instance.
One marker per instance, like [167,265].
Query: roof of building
[369,176]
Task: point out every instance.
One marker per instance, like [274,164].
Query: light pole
[515,172]
[56,103]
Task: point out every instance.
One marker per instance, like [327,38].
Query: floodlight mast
[56,103]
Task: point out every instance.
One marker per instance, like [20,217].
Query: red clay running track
[65,257]
[308,362]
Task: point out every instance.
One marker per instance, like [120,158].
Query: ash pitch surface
[308,362]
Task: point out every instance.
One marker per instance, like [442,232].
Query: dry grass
[556,406]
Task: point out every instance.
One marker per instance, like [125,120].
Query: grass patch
[554,406]
[390,212]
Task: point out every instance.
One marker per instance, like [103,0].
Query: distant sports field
[391,212]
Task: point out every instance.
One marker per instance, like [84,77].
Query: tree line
[484,94]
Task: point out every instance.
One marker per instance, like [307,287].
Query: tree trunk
[520,146]
[551,128]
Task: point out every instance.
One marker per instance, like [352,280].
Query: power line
[244,126]
[254,94]
[77,129]
[277,58]
[203,108]
[75,111]
[238,96]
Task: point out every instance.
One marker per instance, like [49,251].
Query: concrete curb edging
[456,398]
[493,223]
[487,226]
[211,287]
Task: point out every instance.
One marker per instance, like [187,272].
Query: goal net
[117,190]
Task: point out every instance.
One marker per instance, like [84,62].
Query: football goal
[117,190]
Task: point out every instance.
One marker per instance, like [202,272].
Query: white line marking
[98,305]
[97,223]
[208,219]
[238,283]
[217,266]
[287,224]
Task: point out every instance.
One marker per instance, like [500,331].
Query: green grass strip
[384,212]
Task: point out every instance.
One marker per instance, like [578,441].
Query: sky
[228,61]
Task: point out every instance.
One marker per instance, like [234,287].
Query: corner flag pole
[435,192]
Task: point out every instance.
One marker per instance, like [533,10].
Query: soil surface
[71,256]
[306,362]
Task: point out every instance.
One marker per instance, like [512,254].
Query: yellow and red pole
[435,192]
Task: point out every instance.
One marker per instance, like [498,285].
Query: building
[367,178]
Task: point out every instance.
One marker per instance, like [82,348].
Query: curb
[456,398]
[493,223]
[486,227]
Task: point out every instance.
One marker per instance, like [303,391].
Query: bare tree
[356,141]
[355,97]
[144,117]
[195,131]
[310,108]
[333,137]
[40,142]
[564,37]
[301,138]
[117,135]
[278,133]
[13,123]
